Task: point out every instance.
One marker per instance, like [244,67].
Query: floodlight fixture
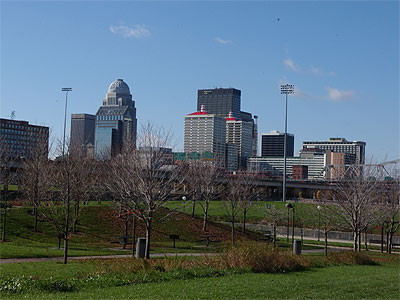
[287,89]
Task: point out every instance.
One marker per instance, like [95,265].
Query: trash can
[297,247]
[141,248]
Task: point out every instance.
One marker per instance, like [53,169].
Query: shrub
[257,258]
[350,258]
[57,285]
[173,262]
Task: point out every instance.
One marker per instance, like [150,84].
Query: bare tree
[68,178]
[33,178]
[248,193]
[329,219]
[8,165]
[390,190]
[210,186]
[84,173]
[232,200]
[193,182]
[274,216]
[356,200]
[140,179]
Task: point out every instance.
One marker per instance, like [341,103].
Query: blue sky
[342,57]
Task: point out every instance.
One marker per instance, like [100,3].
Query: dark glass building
[220,101]
[272,144]
[19,139]
[82,131]
[116,122]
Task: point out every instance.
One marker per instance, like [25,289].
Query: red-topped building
[205,133]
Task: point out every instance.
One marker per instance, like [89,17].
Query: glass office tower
[116,123]
[220,101]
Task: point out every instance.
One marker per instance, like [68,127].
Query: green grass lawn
[304,211]
[332,282]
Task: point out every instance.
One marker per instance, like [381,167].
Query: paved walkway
[40,259]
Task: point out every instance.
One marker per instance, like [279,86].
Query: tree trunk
[126,231]
[35,212]
[35,203]
[3,235]
[233,230]
[148,237]
[355,241]
[133,232]
[365,240]
[205,216]
[193,206]
[244,220]
[274,235]
[76,212]
[387,241]
[359,241]
[302,234]
[326,243]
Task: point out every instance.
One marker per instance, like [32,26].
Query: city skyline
[341,57]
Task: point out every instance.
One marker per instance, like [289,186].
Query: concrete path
[41,259]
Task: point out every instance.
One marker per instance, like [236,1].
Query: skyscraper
[82,132]
[272,144]
[341,145]
[205,135]
[116,122]
[220,101]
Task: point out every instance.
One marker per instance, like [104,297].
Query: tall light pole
[285,89]
[66,90]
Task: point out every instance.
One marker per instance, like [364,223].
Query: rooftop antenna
[12,116]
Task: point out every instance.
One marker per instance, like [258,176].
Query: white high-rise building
[204,133]
[240,133]
[341,145]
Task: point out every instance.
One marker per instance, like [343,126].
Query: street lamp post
[319,220]
[285,89]
[292,225]
[184,203]
[66,90]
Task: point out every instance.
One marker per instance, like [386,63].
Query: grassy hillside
[97,231]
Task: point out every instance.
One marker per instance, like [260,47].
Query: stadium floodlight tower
[66,90]
[285,89]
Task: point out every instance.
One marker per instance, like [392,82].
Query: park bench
[207,239]
[174,237]
[123,239]
[375,241]
[384,242]
[268,236]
